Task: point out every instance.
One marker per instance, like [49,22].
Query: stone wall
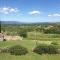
[8,37]
[1,37]
[12,37]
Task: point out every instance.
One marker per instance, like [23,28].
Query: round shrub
[39,49]
[46,49]
[18,50]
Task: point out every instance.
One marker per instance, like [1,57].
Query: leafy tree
[23,34]
[0,26]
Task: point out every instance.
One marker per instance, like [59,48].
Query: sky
[30,10]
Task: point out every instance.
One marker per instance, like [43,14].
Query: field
[32,34]
[43,37]
[29,44]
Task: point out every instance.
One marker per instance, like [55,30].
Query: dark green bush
[4,39]
[23,34]
[18,50]
[40,49]
[46,49]
[54,43]
[52,49]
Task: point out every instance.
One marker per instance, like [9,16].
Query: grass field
[43,37]
[30,56]
[29,44]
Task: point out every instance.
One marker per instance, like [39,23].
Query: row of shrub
[18,50]
[15,50]
[46,49]
[40,49]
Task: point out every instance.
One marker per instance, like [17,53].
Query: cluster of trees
[23,33]
[44,28]
[52,29]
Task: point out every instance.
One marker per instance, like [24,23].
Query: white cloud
[34,13]
[49,15]
[55,15]
[7,10]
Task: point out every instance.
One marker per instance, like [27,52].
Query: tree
[23,33]
[0,26]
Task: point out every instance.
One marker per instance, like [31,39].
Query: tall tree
[0,26]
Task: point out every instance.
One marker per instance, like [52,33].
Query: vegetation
[4,39]
[29,44]
[46,49]
[38,27]
[0,26]
[54,43]
[18,50]
[23,34]
[46,33]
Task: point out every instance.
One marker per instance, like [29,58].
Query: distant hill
[37,23]
[11,22]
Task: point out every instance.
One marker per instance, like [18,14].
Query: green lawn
[29,44]
[30,56]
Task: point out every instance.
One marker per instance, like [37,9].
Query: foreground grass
[29,44]
[30,56]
